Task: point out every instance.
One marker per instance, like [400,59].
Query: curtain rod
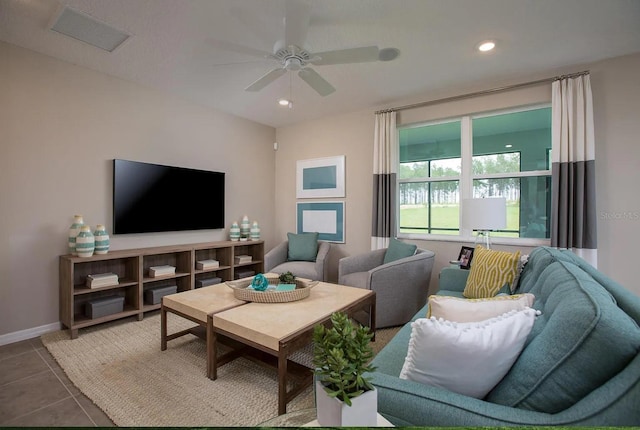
[484,92]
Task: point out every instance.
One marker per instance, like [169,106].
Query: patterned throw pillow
[490,271]
[472,310]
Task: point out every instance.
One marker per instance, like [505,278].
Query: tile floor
[35,392]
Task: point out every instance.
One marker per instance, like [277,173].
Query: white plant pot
[334,413]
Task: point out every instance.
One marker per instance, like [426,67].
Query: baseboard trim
[29,333]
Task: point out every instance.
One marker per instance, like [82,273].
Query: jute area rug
[120,367]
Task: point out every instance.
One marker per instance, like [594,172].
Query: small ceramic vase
[85,242]
[234,232]
[255,231]
[102,239]
[78,222]
[245,227]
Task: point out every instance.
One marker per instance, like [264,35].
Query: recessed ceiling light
[285,103]
[486,46]
[508,145]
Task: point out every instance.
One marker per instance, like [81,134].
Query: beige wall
[60,127]
[616,95]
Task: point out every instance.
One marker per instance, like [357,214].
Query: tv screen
[154,198]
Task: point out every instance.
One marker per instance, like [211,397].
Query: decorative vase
[255,231]
[245,227]
[334,413]
[85,242]
[78,222]
[234,232]
[101,239]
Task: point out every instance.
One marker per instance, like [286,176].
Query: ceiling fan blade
[316,81]
[296,22]
[266,79]
[346,56]
[240,49]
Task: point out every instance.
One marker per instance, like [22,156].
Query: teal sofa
[580,364]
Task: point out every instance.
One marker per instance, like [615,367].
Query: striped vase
[234,232]
[85,242]
[255,231]
[102,239]
[78,222]
[245,228]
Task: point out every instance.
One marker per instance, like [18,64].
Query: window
[502,154]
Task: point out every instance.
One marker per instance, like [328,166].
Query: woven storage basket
[242,292]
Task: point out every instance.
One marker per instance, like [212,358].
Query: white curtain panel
[573,213]
[385,162]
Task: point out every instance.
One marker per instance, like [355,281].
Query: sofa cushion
[301,269]
[469,310]
[490,271]
[580,342]
[465,357]
[302,246]
[398,250]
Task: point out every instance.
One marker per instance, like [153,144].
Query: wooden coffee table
[198,306]
[279,329]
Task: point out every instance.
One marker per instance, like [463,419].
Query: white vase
[85,242]
[78,222]
[255,231]
[101,239]
[334,413]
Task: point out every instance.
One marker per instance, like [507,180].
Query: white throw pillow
[466,358]
[471,310]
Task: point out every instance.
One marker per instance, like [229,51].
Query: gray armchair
[276,261]
[401,286]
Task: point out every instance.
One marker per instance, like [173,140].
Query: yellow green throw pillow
[490,271]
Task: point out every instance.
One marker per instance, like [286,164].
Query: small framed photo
[465,257]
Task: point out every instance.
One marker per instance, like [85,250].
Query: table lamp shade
[484,214]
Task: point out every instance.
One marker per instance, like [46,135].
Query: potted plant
[287,282]
[341,356]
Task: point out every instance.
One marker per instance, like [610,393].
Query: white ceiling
[182,46]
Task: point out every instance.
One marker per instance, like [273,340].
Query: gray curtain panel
[573,214]
[385,155]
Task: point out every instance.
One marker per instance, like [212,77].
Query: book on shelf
[241,259]
[207,264]
[155,271]
[101,280]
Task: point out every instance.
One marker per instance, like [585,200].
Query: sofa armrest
[400,400]
[360,263]
[276,256]
[452,279]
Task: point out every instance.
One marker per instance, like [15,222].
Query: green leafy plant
[341,357]
[287,278]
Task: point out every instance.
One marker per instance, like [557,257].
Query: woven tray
[242,292]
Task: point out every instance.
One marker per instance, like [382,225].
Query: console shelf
[132,267]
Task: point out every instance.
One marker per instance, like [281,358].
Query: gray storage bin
[153,296]
[208,281]
[104,306]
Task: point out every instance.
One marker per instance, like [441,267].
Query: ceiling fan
[291,56]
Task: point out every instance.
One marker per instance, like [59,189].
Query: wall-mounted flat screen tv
[154,198]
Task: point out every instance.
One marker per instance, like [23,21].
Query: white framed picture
[326,218]
[320,177]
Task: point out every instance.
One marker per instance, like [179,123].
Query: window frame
[466,178]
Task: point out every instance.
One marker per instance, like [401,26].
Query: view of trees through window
[510,159]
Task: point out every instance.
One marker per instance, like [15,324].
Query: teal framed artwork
[326,218]
[320,177]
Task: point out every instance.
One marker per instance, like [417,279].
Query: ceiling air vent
[85,28]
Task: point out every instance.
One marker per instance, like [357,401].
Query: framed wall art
[327,218]
[320,177]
